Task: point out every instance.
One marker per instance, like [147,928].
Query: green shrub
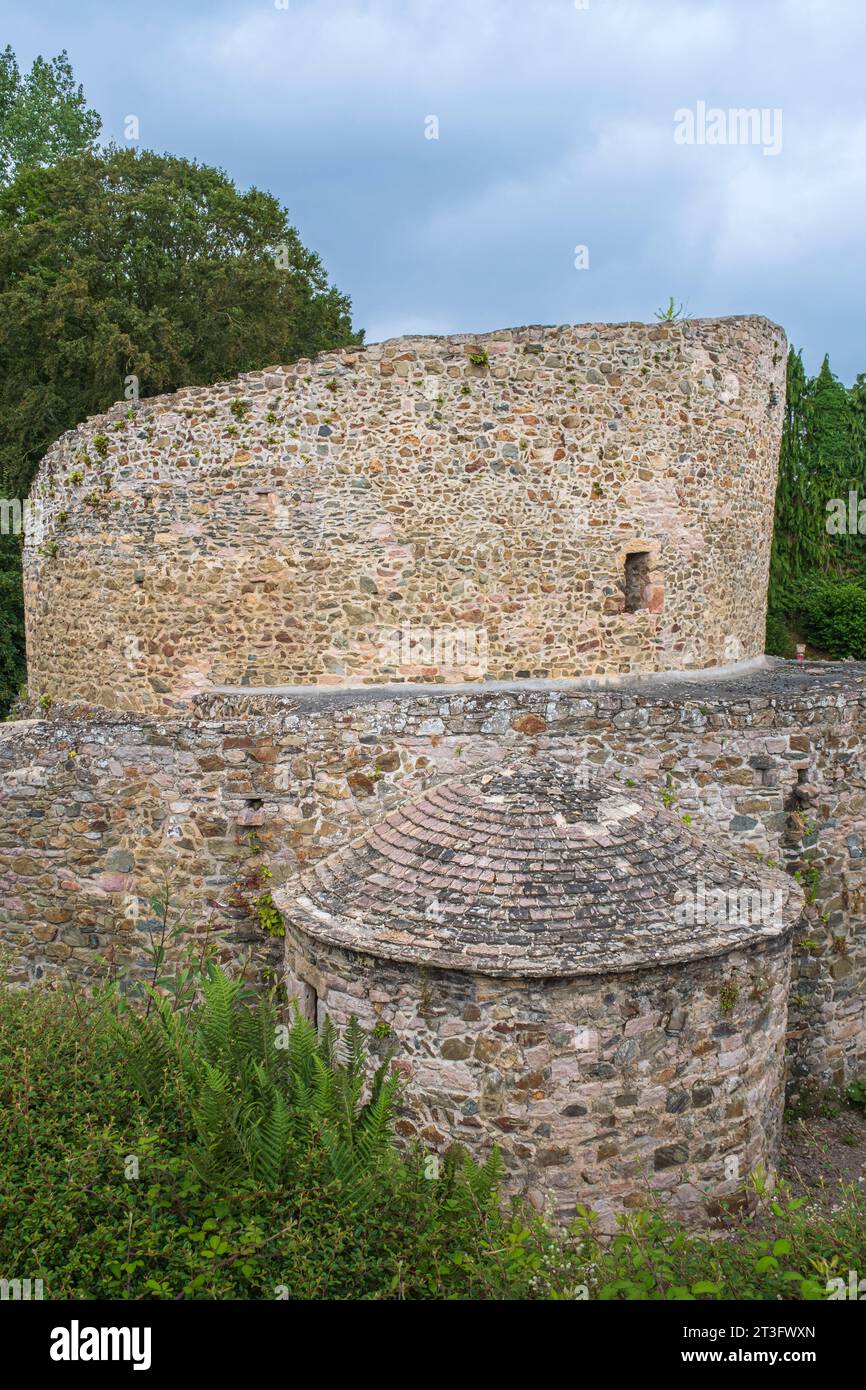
[209,1152]
[856,1092]
[833,616]
[85,1089]
[791,1253]
[779,641]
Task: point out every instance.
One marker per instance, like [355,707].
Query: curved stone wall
[595,1090]
[424,509]
[536,943]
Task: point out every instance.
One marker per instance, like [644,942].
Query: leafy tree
[115,264]
[118,263]
[831,436]
[43,116]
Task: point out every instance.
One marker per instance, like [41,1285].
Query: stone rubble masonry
[597,1090]
[536,868]
[515,935]
[99,809]
[273,618]
[425,509]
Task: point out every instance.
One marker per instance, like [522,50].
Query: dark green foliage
[833,616]
[798,534]
[43,117]
[314,1201]
[12,664]
[115,264]
[238,1196]
[822,457]
[779,640]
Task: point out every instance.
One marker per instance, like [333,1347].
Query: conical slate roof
[527,868]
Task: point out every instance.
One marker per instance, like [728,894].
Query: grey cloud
[556,128]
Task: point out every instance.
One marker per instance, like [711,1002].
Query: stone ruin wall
[300,525]
[98,810]
[594,1090]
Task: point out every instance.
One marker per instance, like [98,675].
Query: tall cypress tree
[822,459]
[798,531]
[831,445]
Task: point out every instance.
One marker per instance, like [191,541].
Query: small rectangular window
[636,580]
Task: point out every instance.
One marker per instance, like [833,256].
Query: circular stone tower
[562,969]
[538,502]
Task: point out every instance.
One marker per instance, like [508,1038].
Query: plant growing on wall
[252,894]
[269,915]
[728,996]
[671,313]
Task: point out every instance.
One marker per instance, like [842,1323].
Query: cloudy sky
[556,130]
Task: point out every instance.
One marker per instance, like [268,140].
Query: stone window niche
[637,580]
[307,999]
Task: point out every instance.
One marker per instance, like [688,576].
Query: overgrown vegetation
[211,1150]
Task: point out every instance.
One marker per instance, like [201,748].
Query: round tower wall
[539,502]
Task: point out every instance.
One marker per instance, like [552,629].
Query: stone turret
[538,502]
[555,960]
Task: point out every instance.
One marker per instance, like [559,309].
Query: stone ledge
[776,683]
[763,678]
